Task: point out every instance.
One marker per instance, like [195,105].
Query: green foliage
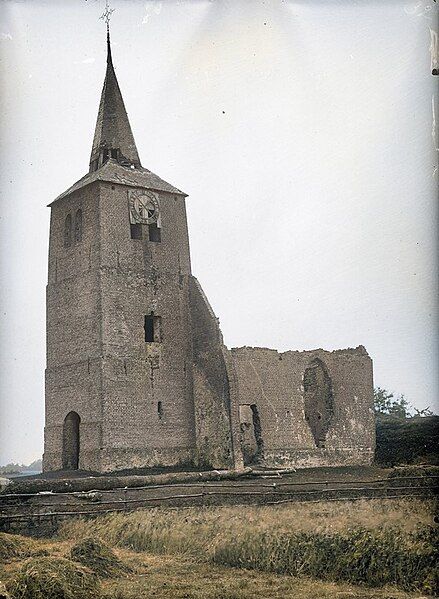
[410,441]
[403,438]
[359,556]
[11,469]
[425,412]
[385,403]
[18,468]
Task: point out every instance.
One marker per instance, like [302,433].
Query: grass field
[298,550]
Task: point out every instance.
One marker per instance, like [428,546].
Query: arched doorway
[70,455]
[318,399]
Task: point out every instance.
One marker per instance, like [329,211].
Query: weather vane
[106,16]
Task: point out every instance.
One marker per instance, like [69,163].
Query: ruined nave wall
[214,388]
[305,409]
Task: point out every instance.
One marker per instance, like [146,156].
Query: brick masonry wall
[98,363]
[177,400]
[274,383]
[73,373]
[139,277]
[215,419]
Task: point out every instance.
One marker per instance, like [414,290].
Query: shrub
[54,578]
[408,441]
[359,556]
[98,557]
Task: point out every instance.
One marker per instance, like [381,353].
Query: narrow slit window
[152,327]
[136,231]
[68,231]
[160,410]
[149,329]
[154,233]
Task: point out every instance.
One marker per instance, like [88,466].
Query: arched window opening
[68,231]
[78,225]
[70,455]
[318,400]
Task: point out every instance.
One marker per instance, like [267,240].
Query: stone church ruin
[137,372]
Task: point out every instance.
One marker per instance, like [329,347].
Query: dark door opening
[70,456]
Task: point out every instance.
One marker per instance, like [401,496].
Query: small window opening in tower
[149,329]
[136,231]
[114,153]
[152,327]
[68,231]
[105,155]
[160,410]
[154,233]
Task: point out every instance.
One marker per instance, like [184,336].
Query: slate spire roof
[113,136]
[114,157]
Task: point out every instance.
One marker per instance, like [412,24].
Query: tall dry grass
[374,542]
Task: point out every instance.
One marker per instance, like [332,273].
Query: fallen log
[99,483]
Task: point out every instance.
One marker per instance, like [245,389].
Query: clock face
[144,207]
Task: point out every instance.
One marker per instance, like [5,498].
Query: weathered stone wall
[134,399]
[148,412]
[73,374]
[184,398]
[215,421]
[273,382]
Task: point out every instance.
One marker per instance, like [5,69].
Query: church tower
[137,374]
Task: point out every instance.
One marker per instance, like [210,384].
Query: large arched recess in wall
[71,442]
[318,400]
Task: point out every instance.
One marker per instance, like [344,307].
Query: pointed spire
[109,59]
[113,136]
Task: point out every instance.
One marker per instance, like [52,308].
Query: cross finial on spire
[106,16]
[113,137]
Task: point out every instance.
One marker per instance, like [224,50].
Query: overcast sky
[302,132]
